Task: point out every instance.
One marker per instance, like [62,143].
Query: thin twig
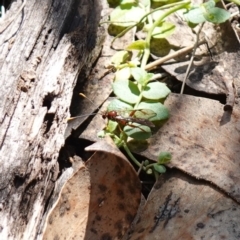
[178,53]
[192,58]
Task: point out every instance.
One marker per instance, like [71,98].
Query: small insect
[129,121]
[139,116]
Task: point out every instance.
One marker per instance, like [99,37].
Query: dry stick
[192,58]
[178,53]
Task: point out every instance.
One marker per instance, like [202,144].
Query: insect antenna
[84,96]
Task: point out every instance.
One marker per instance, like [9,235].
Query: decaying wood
[42,53]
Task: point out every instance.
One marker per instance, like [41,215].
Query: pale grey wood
[42,53]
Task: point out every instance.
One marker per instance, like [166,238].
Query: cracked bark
[42,53]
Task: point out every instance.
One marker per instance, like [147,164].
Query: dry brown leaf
[99,202]
[203,140]
[69,215]
[182,208]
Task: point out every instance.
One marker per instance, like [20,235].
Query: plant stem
[156,23]
[139,99]
[132,157]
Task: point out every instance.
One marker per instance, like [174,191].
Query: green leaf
[124,73]
[138,74]
[144,113]
[159,168]
[120,57]
[160,47]
[138,132]
[195,16]
[216,15]
[208,5]
[134,63]
[163,30]
[164,157]
[117,104]
[137,45]
[114,30]
[149,171]
[141,76]
[126,90]
[111,126]
[161,111]
[126,15]
[156,91]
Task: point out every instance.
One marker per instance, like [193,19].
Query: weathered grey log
[42,52]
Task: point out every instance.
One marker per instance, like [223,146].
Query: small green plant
[143,98]
[135,89]
[136,93]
